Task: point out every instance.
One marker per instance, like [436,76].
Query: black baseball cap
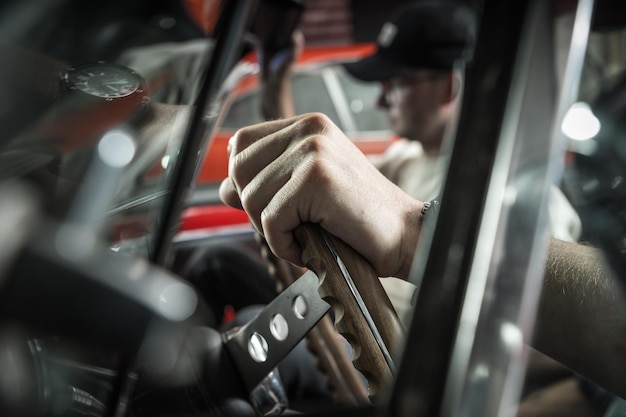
[431,34]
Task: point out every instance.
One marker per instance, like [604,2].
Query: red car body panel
[211,216]
[214,167]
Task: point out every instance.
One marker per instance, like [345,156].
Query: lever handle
[327,255]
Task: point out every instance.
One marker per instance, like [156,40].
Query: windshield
[97,109]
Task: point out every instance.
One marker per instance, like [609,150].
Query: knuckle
[268,219]
[315,122]
[320,172]
[242,134]
[237,169]
[248,200]
[240,139]
[315,165]
[311,145]
[276,240]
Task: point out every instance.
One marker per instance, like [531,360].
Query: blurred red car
[319,84]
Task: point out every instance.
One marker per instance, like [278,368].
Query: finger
[308,123]
[246,136]
[279,219]
[244,166]
[228,194]
[254,148]
[262,189]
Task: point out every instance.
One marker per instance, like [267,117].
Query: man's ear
[451,86]
[456,84]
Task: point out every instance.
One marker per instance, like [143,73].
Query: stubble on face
[418,112]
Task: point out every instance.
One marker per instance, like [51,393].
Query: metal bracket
[257,347]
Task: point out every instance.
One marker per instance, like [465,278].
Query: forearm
[581,319]
[276,99]
[277,65]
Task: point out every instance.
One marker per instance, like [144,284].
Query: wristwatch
[114,88]
[89,101]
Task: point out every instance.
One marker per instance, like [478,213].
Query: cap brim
[375,68]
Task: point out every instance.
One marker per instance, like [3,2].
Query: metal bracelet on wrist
[432,205]
[429,213]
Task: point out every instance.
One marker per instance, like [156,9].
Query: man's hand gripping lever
[287,174]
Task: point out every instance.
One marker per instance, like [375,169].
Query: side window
[243,112]
[311,95]
[361,98]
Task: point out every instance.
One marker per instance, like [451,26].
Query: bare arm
[276,68]
[582,315]
[304,169]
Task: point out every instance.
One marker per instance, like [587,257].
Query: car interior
[125,282]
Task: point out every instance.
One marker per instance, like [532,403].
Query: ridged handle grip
[368,357]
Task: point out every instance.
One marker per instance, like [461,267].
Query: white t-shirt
[405,164]
[422,177]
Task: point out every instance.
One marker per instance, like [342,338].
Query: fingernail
[229,147]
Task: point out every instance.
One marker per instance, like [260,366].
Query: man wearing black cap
[420,60]
[421,53]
